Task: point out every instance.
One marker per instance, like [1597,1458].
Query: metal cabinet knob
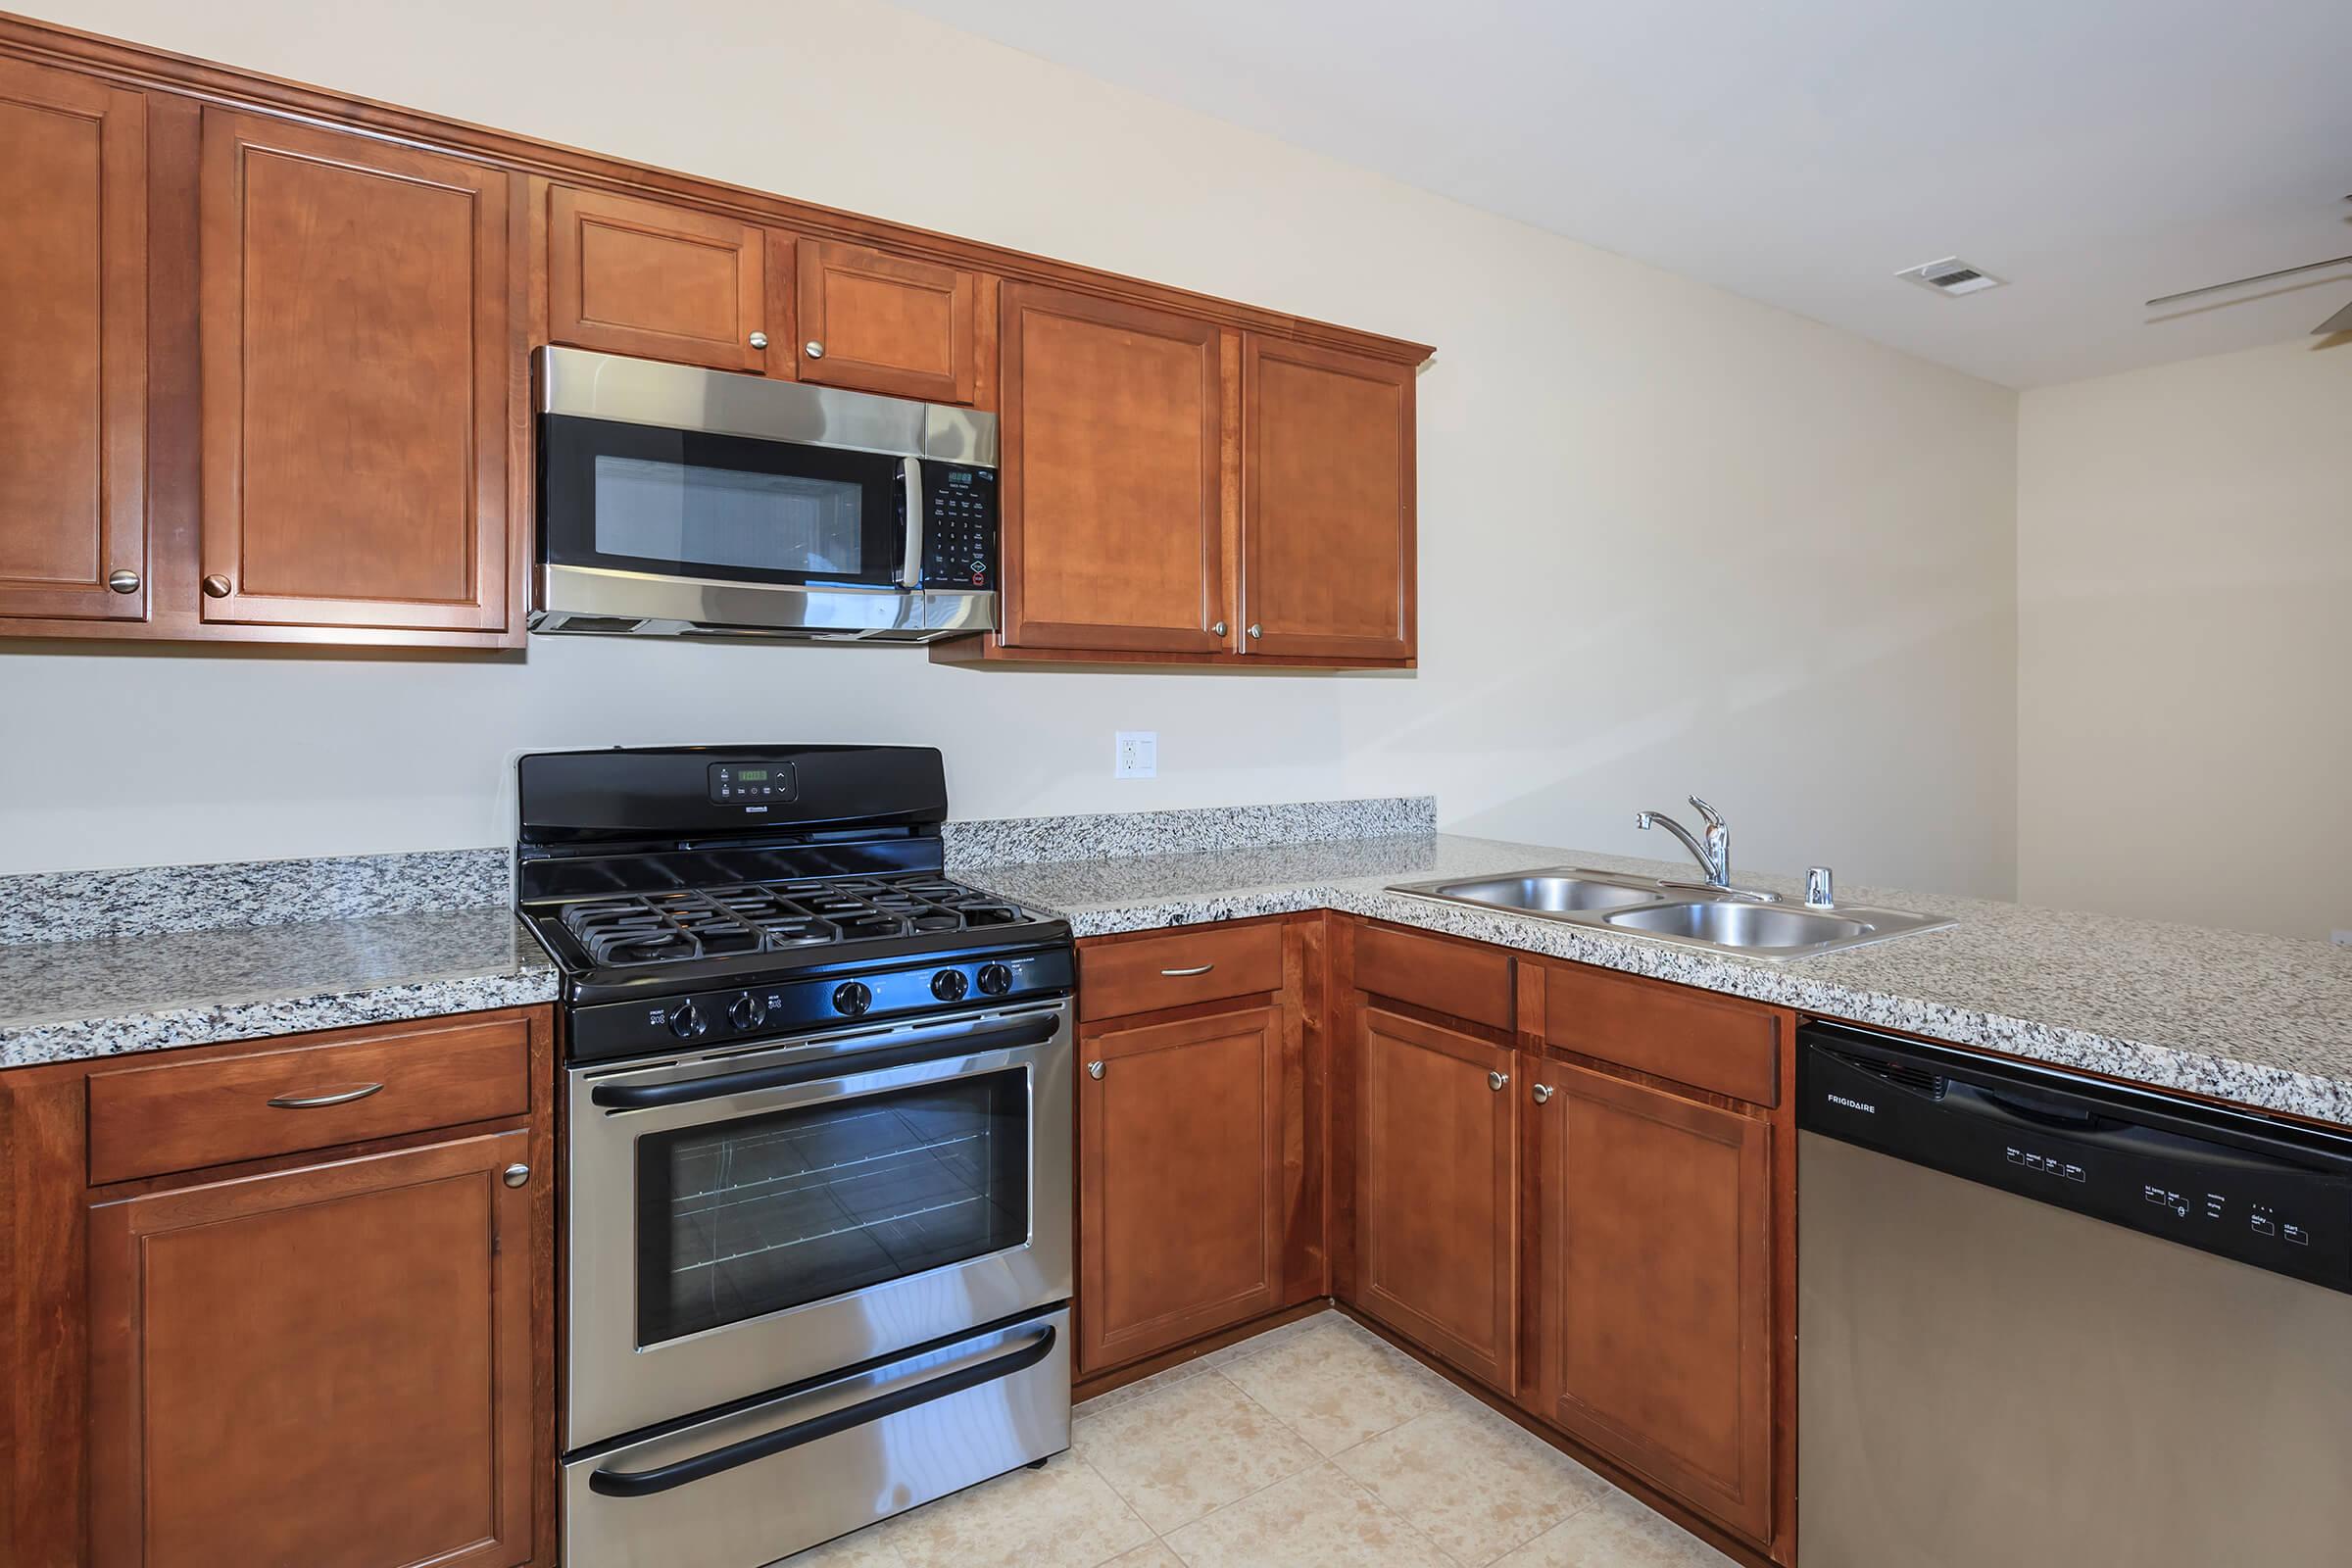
[758,340]
[1093,1069]
[123,582]
[1218,627]
[216,586]
[1254,631]
[1543,1094]
[1495,1081]
[813,349]
[516,1175]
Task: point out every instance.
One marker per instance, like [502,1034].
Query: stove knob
[745,1011]
[852,996]
[686,1020]
[950,985]
[995,979]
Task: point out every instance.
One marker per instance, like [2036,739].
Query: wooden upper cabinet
[1654,1287]
[356,367]
[662,282]
[331,1366]
[1112,431]
[1436,1184]
[1327,503]
[877,322]
[1179,1186]
[73,371]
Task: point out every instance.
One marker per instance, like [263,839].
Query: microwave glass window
[721,517]
[769,1213]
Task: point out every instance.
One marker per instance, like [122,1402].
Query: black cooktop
[764,918]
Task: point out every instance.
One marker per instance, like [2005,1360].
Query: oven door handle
[703,1466]
[1035,1030]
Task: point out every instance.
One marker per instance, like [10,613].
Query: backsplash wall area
[1670,539]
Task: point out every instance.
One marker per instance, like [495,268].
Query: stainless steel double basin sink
[1754,925]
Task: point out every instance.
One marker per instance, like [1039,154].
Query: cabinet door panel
[74,316]
[631,276]
[1654,1293]
[1180,1207]
[331,1366]
[356,354]
[1438,1193]
[1113,424]
[1326,511]
[887,324]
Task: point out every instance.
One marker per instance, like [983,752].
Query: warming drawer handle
[1187,974]
[929,1047]
[703,1466]
[314,1101]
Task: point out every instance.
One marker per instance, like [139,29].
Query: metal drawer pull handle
[1543,1094]
[701,1466]
[1093,1069]
[1187,974]
[314,1101]
[1495,1081]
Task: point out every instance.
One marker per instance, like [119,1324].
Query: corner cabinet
[1327,504]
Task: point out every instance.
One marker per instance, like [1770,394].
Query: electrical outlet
[1135,754]
[2343,939]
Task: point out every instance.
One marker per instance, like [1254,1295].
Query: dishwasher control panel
[2225,1182]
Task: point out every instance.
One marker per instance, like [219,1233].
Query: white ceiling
[2094,152]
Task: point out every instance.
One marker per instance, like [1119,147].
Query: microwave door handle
[921,1047]
[910,570]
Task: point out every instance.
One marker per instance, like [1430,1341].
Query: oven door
[744,1219]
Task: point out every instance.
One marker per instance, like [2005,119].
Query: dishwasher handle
[2085,1124]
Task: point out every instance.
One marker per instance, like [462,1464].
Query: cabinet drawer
[1447,977]
[1199,963]
[145,1121]
[1731,1048]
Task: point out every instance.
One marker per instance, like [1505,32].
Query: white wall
[1670,539]
[2185,568]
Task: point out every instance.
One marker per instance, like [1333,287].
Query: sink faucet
[1714,857]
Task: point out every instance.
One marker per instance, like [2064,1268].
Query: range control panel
[814,1002]
[751,783]
[2227,1186]
[959,526]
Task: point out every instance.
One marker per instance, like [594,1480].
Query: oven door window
[682,503]
[764,1213]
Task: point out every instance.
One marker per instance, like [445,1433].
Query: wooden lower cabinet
[330,1366]
[1437,1173]
[1181,1207]
[1653,1286]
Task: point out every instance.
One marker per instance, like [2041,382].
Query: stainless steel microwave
[682,500]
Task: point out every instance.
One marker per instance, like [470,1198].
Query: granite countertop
[108,995]
[2261,1020]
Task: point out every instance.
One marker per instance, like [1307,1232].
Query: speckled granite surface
[2266,1021]
[1121,834]
[112,995]
[77,906]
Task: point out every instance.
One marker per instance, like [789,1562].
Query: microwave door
[721,509]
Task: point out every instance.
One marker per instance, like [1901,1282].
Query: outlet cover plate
[1135,754]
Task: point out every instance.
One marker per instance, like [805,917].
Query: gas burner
[755,917]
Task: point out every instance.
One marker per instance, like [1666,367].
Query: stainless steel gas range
[817,1185]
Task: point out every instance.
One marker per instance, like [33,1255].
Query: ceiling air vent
[1951,276]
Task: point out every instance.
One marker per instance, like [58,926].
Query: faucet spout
[1714,857]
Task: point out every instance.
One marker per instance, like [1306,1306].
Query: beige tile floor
[1313,1443]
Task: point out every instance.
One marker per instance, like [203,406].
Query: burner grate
[770,916]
